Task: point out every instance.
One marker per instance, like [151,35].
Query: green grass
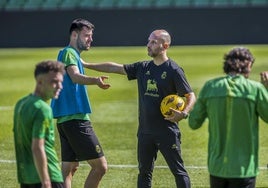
[115,112]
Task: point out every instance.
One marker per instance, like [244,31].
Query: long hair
[237,61]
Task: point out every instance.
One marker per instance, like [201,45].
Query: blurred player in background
[78,139]
[232,104]
[156,79]
[37,161]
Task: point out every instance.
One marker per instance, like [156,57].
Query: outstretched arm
[79,78]
[109,67]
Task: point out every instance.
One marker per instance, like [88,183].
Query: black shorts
[39,185]
[78,141]
[218,182]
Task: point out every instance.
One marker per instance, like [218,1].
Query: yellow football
[171,101]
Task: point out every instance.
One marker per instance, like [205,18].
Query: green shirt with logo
[33,119]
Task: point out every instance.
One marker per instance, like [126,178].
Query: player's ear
[166,45]
[74,34]
[39,79]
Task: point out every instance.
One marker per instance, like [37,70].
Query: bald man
[156,79]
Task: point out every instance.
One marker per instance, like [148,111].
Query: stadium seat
[14,4]
[69,4]
[32,4]
[240,3]
[163,3]
[88,3]
[202,3]
[219,3]
[182,3]
[125,3]
[3,4]
[259,2]
[144,3]
[51,4]
[106,4]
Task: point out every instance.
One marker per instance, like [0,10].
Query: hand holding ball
[171,101]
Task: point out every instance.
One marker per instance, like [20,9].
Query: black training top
[154,83]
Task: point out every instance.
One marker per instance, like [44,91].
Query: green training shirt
[33,119]
[233,106]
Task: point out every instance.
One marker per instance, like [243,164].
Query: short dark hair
[79,23]
[45,67]
[237,60]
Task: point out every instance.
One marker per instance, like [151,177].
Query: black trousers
[169,145]
[39,185]
[218,182]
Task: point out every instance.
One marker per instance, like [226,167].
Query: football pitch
[115,112]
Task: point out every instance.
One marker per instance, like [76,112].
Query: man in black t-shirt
[156,79]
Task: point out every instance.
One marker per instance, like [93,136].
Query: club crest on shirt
[98,149]
[174,146]
[164,75]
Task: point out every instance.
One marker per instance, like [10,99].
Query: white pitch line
[134,166]
[7,161]
[3,108]
[119,166]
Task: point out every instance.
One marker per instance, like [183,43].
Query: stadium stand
[14,4]
[164,3]
[259,2]
[220,3]
[126,3]
[32,4]
[241,2]
[69,4]
[84,4]
[26,5]
[50,4]
[202,3]
[145,3]
[107,4]
[192,22]
[182,3]
[3,4]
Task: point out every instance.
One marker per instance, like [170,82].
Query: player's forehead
[159,36]
[153,37]
[86,30]
[53,76]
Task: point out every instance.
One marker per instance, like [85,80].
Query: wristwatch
[185,115]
